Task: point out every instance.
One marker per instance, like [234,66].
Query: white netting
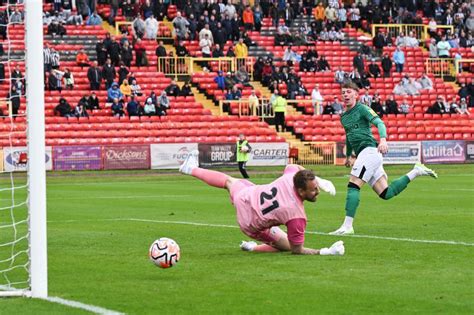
[14,235]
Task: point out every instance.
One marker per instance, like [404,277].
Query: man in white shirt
[206,31]
[205,45]
[317,100]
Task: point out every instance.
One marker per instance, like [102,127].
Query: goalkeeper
[262,208]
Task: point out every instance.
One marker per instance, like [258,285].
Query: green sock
[396,187]
[352,201]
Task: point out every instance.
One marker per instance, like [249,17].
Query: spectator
[133,107]
[151,27]
[16,16]
[63,109]
[379,42]
[404,107]
[433,49]
[220,80]
[54,80]
[94,19]
[149,109]
[248,18]
[186,89]
[94,74]
[355,77]
[399,89]
[75,19]
[399,59]
[443,48]
[205,45]
[374,69]
[316,99]
[163,104]
[113,49]
[114,92]
[236,93]
[138,26]
[386,66]
[400,41]
[279,108]
[413,87]
[339,76]
[463,107]
[93,102]
[230,51]
[328,109]
[172,89]
[56,28]
[391,106]
[68,79]
[82,59]
[454,107]
[337,106]
[241,50]
[366,99]
[283,37]
[122,73]
[242,77]
[290,56]
[358,63]
[136,89]
[117,107]
[108,73]
[377,106]
[425,82]
[323,64]
[354,16]
[258,18]
[125,88]
[254,104]
[438,107]
[14,97]
[101,52]
[180,25]
[127,54]
[80,110]
[217,52]
[55,59]
[140,53]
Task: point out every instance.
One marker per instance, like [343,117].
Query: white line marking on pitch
[123,197]
[86,307]
[54,299]
[388,238]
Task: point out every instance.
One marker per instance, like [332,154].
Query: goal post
[36,148]
[23,243]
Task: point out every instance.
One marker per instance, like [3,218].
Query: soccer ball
[244,148]
[164,252]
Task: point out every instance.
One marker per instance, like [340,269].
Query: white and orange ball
[164,252]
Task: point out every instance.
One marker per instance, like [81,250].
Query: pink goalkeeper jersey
[271,205]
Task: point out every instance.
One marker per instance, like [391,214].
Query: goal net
[23,270]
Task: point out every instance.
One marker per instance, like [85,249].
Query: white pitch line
[123,197]
[54,299]
[387,238]
[87,307]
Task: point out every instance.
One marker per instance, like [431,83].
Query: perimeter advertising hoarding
[217,154]
[403,152]
[451,151]
[268,154]
[14,159]
[77,158]
[126,157]
[469,151]
[170,155]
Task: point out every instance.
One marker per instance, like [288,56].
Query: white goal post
[37,282]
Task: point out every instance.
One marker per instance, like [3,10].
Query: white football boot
[424,171]
[343,231]
[248,246]
[190,163]
[337,248]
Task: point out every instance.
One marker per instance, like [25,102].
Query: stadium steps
[206,103]
[265,92]
[305,152]
[107,27]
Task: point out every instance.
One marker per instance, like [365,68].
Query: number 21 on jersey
[269,196]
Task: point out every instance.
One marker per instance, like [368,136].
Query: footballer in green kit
[368,164]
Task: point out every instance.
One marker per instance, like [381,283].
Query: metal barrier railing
[421,31]
[322,153]
[459,64]
[246,107]
[175,66]
[443,67]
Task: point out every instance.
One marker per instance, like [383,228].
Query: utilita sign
[127,157]
[443,151]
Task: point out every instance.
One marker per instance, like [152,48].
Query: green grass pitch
[100,226]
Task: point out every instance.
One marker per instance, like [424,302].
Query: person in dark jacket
[374,69]
[386,65]
[126,54]
[108,73]
[94,74]
[391,106]
[101,52]
[14,97]
[63,108]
